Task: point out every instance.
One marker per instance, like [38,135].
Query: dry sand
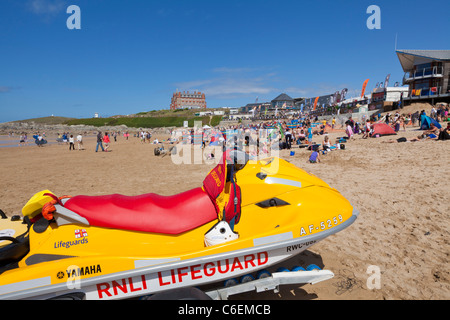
[400,189]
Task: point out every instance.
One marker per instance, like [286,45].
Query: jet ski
[247,216]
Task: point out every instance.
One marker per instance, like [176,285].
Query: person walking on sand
[106,141]
[22,140]
[310,134]
[99,141]
[71,143]
[349,130]
[80,142]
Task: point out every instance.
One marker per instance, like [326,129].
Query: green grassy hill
[145,122]
[151,119]
[46,120]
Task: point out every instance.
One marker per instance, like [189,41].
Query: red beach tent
[382,129]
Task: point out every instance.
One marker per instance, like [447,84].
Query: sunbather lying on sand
[422,137]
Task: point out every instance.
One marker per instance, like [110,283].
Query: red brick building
[183,100]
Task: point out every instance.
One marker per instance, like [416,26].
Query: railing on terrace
[424,73]
[428,92]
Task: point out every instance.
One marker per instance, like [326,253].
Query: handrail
[427,92]
[426,72]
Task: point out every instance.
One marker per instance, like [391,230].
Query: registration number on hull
[321,226]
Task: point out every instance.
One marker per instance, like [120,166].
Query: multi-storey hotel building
[183,100]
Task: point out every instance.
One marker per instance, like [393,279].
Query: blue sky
[130,56]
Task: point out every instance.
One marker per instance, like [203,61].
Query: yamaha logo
[60,275]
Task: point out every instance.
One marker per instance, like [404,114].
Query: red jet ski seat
[146,213]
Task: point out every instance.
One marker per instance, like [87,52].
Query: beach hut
[382,129]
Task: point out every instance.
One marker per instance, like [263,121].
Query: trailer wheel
[298,268]
[230,282]
[312,267]
[247,278]
[263,274]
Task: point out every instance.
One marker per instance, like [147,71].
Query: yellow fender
[35,204]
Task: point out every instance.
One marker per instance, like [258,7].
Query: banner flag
[386,82]
[315,103]
[364,88]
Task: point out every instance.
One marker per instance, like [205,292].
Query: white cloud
[233,70]
[249,83]
[224,88]
[46,7]
[231,83]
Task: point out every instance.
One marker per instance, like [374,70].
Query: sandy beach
[400,189]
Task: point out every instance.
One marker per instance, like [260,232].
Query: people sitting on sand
[314,158]
[356,128]
[444,133]
[301,137]
[326,144]
[433,130]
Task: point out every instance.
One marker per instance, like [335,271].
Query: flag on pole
[315,103]
[343,94]
[386,81]
[364,88]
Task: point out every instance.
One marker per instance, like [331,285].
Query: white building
[393,93]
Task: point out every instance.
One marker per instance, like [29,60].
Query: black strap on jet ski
[12,239]
[235,200]
[233,181]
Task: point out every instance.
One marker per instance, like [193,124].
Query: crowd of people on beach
[285,133]
[300,132]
